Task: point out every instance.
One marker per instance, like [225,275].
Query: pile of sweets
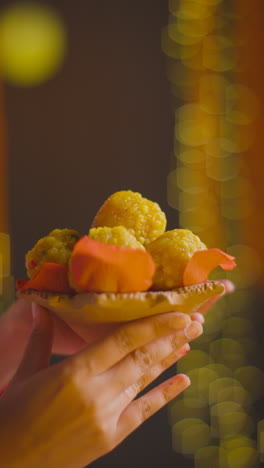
[127,250]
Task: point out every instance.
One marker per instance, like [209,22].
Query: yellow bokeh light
[188,408]
[214,318]
[180,38]
[243,457]
[261,439]
[32,43]
[201,379]
[237,210]
[214,149]
[235,138]
[236,441]
[191,180]
[218,386]
[7,287]
[194,127]
[190,201]
[241,104]
[198,28]
[218,53]
[222,169]
[252,380]
[5,253]
[211,90]
[189,9]
[239,188]
[235,327]
[228,352]
[194,359]
[228,390]
[191,156]
[215,123]
[240,302]
[177,46]
[221,370]
[189,435]
[228,418]
[210,456]
[249,267]
[198,221]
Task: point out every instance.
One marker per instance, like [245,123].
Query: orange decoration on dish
[50,277]
[203,262]
[99,267]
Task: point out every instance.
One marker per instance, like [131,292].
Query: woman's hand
[16,324]
[72,413]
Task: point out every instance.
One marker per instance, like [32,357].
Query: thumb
[38,350]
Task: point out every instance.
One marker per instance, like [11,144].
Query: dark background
[103,123]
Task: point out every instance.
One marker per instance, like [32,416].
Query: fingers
[144,407]
[132,391]
[196,316]
[38,350]
[229,288]
[129,337]
[138,362]
[66,341]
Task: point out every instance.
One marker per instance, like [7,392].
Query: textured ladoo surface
[81,309]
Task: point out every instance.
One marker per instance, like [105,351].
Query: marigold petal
[203,262]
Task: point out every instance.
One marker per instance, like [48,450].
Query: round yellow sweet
[171,253]
[143,218]
[117,235]
[54,248]
[67,236]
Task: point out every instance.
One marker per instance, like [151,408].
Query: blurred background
[162,97]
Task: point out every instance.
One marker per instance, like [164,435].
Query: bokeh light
[189,435]
[252,380]
[189,408]
[207,457]
[7,283]
[228,418]
[228,389]
[32,43]
[211,189]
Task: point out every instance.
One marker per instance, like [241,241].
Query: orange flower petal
[101,267]
[50,277]
[203,262]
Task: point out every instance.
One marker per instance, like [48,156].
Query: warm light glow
[5,253]
[194,359]
[32,43]
[189,435]
[212,456]
[228,389]
[228,418]
[215,125]
[252,380]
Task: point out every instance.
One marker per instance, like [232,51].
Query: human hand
[229,288]
[76,411]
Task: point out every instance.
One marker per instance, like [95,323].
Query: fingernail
[194,330]
[197,317]
[180,321]
[200,318]
[183,380]
[183,350]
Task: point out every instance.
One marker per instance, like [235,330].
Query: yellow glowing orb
[32,43]
[189,435]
